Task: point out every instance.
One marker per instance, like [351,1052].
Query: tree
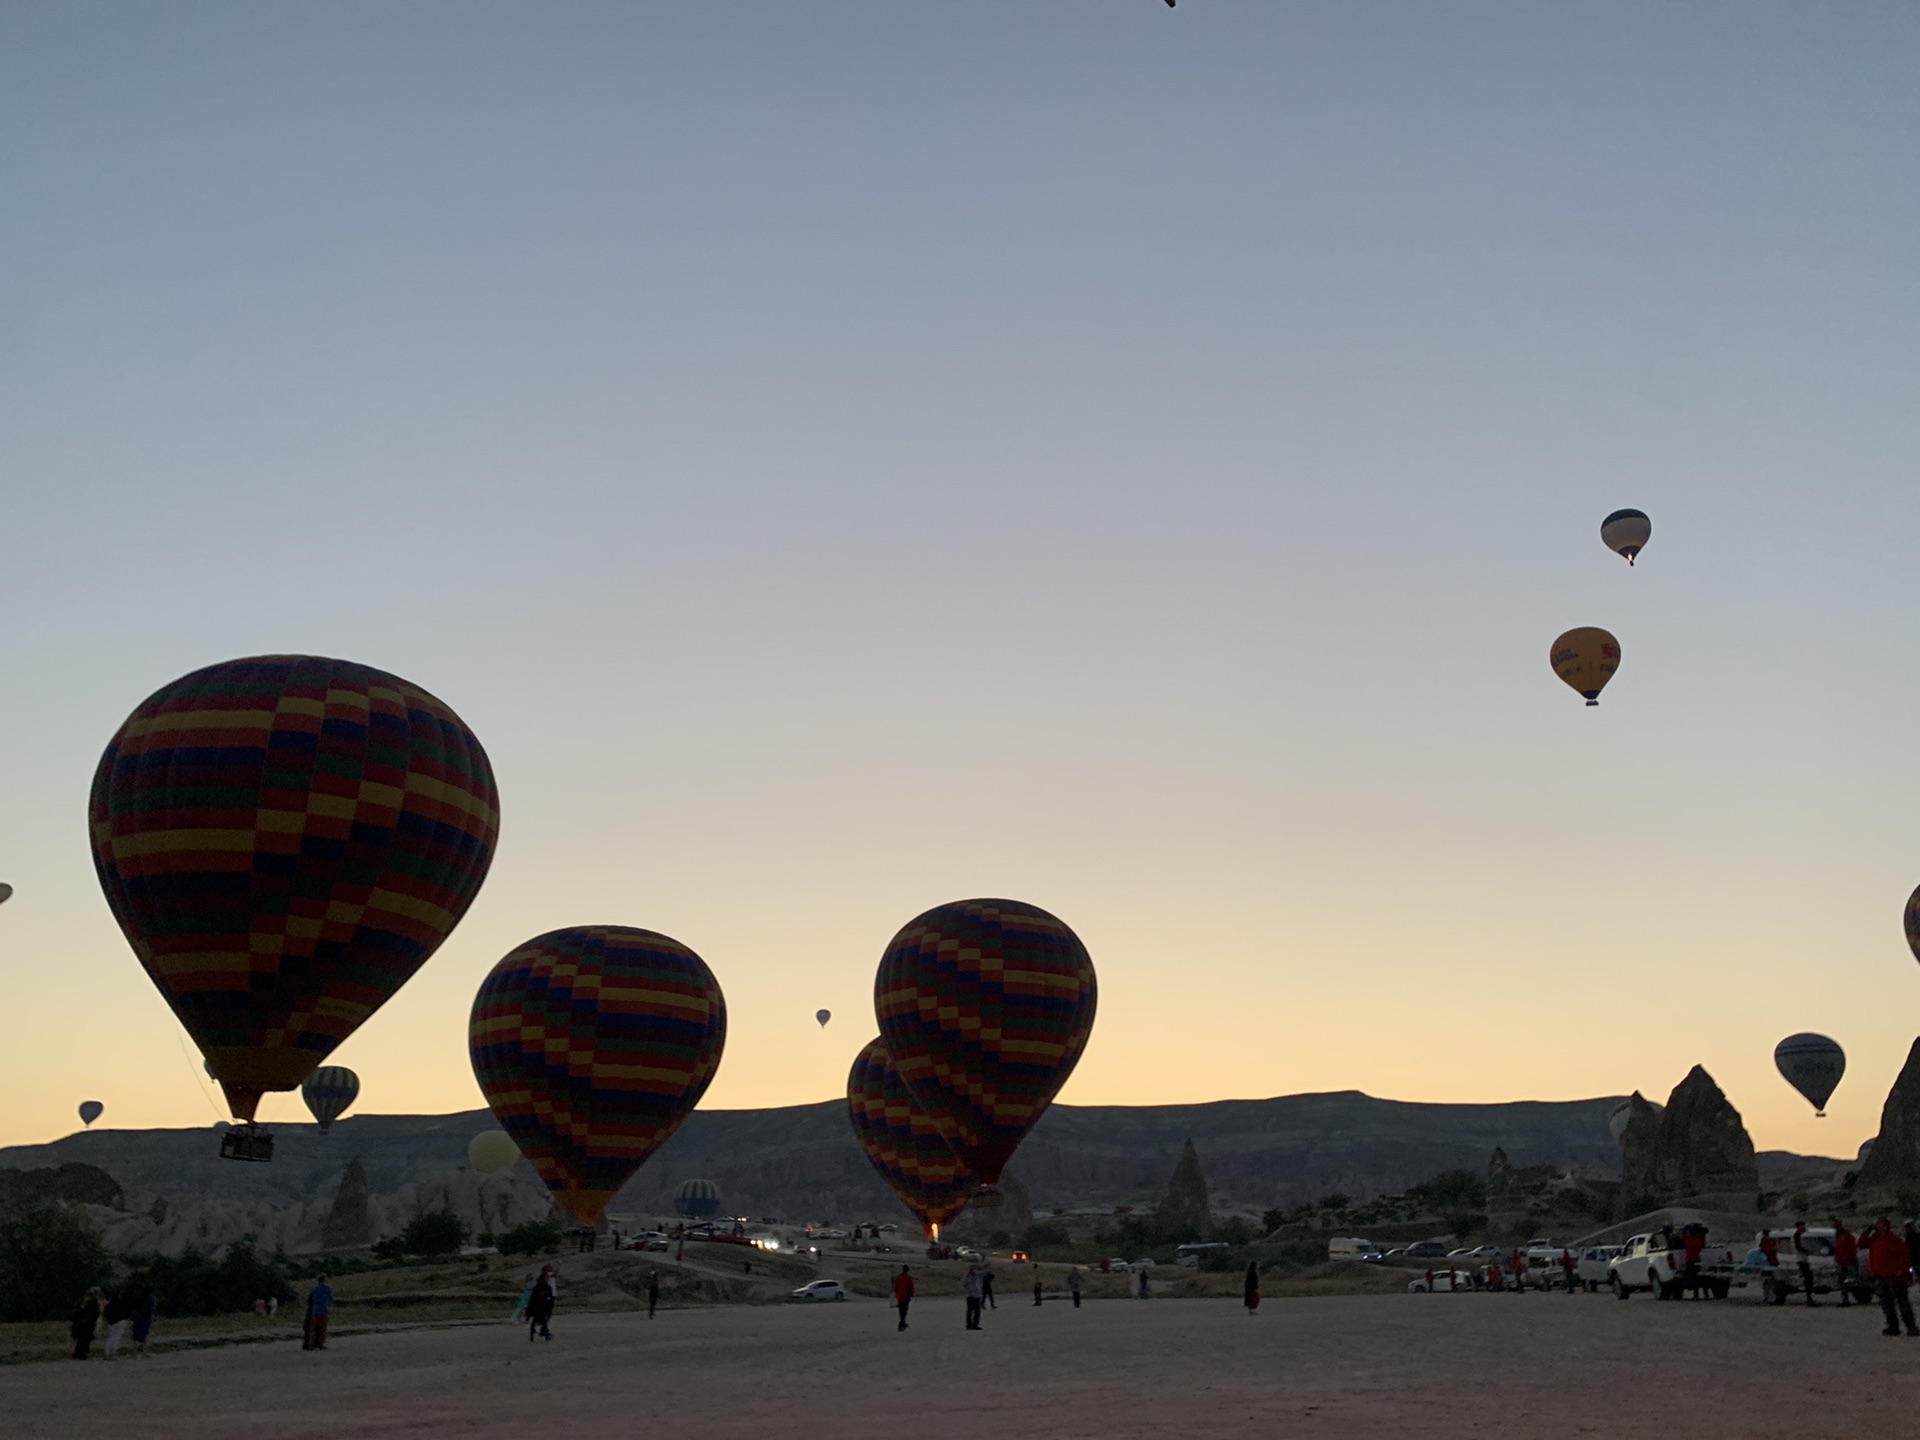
[438,1232]
[530,1239]
[50,1254]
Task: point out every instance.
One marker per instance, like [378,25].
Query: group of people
[542,1293]
[129,1309]
[1891,1261]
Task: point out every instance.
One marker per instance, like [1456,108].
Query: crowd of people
[129,1310]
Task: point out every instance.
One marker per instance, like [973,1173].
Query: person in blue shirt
[319,1312]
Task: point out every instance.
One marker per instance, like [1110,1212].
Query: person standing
[1567,1264]
[1250,1292]
[1146,1284]
[145,1303]
[319,1313]
[1804,1257]
[86,1315]
[1889,1263]
[986,1286]
[653,1292]
[116,1313]
[1693,1244]
[903,1293]
[1073,1284]
[1846,1261]
[1039,1292]
[546,1292]
[970,1287]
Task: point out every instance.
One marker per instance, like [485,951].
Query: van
[1348,1247]
[1190,1255]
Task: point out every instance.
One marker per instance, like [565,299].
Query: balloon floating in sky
[1617,1120]
[1626,532]
[902,1143]
[6,892]
[1586,659]
[90,1111]
[492,1151]
[1813,1065]
[328,1092]
[823,1016]
[284,841]
[1913,923]
[592,1045]
[985,1007]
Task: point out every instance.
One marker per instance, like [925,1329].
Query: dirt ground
[1402,1365]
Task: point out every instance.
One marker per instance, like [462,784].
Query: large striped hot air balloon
[592,1044]
[903,1144]
[985,1006]
[284,841]
[328,1092]
[697,1200]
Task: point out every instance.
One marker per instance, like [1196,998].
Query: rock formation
[1013,1216]
[1185,1206]
[1894,1158]
[347,1222]
[1696,1149]
[1499,1181]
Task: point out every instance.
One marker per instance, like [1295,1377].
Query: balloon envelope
[985,1007]
[1813,1065]
[1586,658]
[823,1016]
[592,1044]
[902,1143]
[1626,532]
[328,1092]
[492,1151]
[1617,1121]
[284,841]
[6,892]
[90,1111]
[1913,923]
[697,1200]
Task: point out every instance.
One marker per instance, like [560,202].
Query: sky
[841,458]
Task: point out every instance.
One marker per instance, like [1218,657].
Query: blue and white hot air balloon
[698,1200]
[328,1092]
[1626,532]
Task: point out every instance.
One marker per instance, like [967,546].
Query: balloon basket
[247,1142]
[987,1197]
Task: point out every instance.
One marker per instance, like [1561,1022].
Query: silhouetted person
[145,1304]
[1889,1262]
[986,1287]
[903,1293]
[86,1315]
[319,1313]
[1804,1257]
[1039,1291]
[970,1287]
[653,1292]
[540,1305]
[1073,1284]
[1250,1293]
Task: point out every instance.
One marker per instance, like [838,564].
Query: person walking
[1146,1284]
[1805,1258]
[1073,1284]
[1889,1262]
[970,1287]
[145,1304]
[1250,1292]
[86,1315]
[117,1311]
[1039,1292]
[653,1292]
[319,1313]
[986,1286]
[1846,1261]
[903,1293]
[546,1292]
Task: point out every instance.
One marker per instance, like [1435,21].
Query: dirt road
[1441,1365]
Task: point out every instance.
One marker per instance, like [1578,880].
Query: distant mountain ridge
[800,1162]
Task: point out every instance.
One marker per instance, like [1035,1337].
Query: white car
[1479,1253]
[1594,1266]
[1447,1280]
[968,1254]
[821,1290]
[1118,1267]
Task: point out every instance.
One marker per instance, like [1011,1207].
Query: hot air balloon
[985,1006]
[592,1044]
[284,841]
[492,1151]
[6,892]
[823,1016]
[90,1111]
[1813,1065]
[903,1144]
[1626,532]
[697,1200]
[328,1092]
[1913,923]
[1586,659]
[1617,1120]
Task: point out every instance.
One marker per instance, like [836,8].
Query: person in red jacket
[1846,1259]
[903,1293]
[1888,1262]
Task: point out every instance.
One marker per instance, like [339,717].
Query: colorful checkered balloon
[592,1044]
[902,1143]
[284,841]
[985,1006]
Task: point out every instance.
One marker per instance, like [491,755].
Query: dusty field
[1481,1365]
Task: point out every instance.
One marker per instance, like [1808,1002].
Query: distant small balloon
[823,1016]
[1913,923]
[6,892]
[90,1111]
[1586,659]
[328,1092]
[1626,532]
[492,1151]
[1813,1065]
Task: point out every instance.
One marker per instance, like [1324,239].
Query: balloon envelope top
[328,1092]
[1813,1065]
[985,1007]
[90,1111]
[1586,658]
[592,1045]
[285,840]
[1626,532]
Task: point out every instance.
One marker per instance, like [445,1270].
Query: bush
[438,1232]
[49,1256]
[193,1283]
[530,1238]
[1272,1220]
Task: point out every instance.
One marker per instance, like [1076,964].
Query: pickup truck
[1645,1263]
[1779,1283]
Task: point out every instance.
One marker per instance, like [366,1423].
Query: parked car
[1780,1282]
[821,1290]
[1017,1257]
[1349,1247]
[1427,1250]
[1191,1254]
[1646,1263]
[1448,1280]
[1398,1252]
[1115,1267]
[1144,1264]
[1479,1254]
[1594,1266]
[967,1253]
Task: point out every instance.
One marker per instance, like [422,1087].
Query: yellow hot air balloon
[1586,659]
[492,1151]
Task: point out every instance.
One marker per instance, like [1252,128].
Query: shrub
[49,1256]
[1335,1201]
[438,1232]
[193,1283]
[530,1238]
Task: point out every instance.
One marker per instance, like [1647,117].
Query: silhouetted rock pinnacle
[1895,1156]
[1697,1147]
[1186,1204]
[347,1222]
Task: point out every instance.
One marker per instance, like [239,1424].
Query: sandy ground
[1479,1365]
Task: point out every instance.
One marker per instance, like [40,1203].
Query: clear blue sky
[843,457]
